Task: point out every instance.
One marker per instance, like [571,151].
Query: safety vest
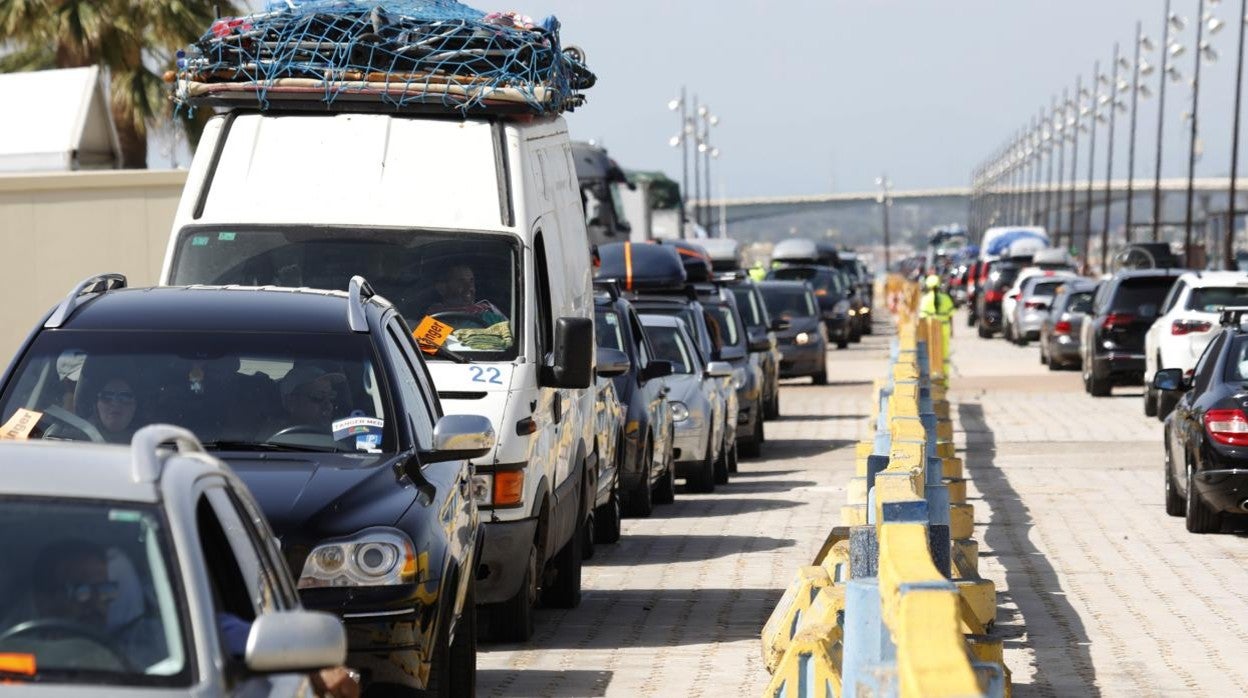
[936,304]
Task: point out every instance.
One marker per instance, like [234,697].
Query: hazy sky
[822,94]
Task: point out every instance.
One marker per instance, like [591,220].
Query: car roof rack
[359,292]
[1231,315]
[145,448]
[99,283]
[611,287]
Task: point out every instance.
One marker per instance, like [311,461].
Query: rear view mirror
[612,362]
[461,436]
[719,369]
[295,641]
[573,365]
[1169,379]
[759,342]
[657,368]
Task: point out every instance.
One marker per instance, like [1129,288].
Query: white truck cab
[473,228]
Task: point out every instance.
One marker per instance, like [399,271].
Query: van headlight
[679,411]
[374,557]
[802,338]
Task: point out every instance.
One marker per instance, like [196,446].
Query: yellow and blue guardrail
[893,604]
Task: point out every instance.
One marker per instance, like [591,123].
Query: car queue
[1178,333]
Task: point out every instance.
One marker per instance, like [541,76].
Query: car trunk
[1133,309]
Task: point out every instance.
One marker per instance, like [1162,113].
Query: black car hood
[316,496]
[797,325]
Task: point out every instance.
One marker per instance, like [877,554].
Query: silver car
[699,401]
[145,569]
[1035,295]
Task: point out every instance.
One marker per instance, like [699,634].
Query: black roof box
[695,259]
[642,266]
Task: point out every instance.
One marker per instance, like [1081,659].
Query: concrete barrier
[893,604]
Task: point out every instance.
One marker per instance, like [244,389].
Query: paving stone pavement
[676,607]
[1100,592]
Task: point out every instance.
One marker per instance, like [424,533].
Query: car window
[748,304]
[1203,371]
[1237,360]
[726,326]
[669,345]
[235,390]
[1212,298]
[106,567]
[639,340]
[244,547]
[824,281]
[416,403]
[788,301]
[1079,302]
[1141,296]
[1173,296]
[610,333]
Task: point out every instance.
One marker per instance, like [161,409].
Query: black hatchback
[1206,443]
[321,402]
[1112,336]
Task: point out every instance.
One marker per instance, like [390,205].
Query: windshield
[1210,299]
[788,301]
[468,281]
[244,390]
[747,303]
[1141,296]
[824,281]
[607,326]
[723,322]
[670,345]
[90,594]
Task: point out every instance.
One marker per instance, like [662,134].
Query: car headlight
[802,338]
[679,411]
[852,312]
[375,557]
[738,378]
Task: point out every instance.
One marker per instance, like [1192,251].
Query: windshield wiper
[441,350]
[225,445]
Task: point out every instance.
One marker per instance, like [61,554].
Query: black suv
[835,296]
[761,331]
[1206,440]
[321,402]
[1112,336]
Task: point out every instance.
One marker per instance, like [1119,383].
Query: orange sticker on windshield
[431,334]
[19,426]
[13,663]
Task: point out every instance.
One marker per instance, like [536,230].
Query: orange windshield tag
[19,426]
[13,663]
[431,334]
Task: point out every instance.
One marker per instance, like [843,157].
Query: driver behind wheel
[115,405]
[457,289]
[310,395]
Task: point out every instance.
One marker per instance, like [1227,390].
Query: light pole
[1076,124]
[682,140]
[1142,43]
[1093,116]
[1206,52]
[697,170]
[885,199]
[707,152]
[1062,130]
[1172,21]
[1228,245]
[1113,105]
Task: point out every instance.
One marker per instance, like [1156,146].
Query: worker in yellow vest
[938,305]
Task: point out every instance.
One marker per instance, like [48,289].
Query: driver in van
[457,291]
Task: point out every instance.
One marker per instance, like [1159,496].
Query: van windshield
[469,282]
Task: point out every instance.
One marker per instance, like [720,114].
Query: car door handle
[556,408]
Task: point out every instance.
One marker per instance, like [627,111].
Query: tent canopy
[60,121]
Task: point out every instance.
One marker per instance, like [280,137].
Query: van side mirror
[573,365]
[461,437]
[657,368]
[1169,379]
[780,324]
[295,641]
[612,362]
[759,342]
[719,369]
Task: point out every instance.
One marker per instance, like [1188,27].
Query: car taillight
[1119,319]
[993,296]
[1034,305]
[1062,327]
[1182,327]
[1227,427]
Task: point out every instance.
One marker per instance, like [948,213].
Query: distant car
[762,338]
[698,406]
[1206,436]
[1032,294]
[802,334]
[996,278]
[1060,331]
[732,344]
[833,295]
[1112,338]
[1188,321]
[145,570]
[647,432]
[322,403]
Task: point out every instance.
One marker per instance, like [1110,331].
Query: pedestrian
[938,305]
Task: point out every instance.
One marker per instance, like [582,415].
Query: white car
[1011,329]
[1187,322]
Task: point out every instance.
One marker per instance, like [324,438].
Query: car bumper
[1064,349]
[388,649]
[1224,490]
[504,555]
[1029,325]
[689,445]
[1123,368]
[804,360]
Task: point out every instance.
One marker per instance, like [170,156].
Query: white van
[474,223]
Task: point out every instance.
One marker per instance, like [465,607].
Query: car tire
[868,326]
[1097,386]
[1174,503]
[641,499]
[665,493]
[984,332]
[753,446]
[703,481]
[773,405]
[1150,402]
[607,519]
[1200,518]
[723,466]
[463,653]
[821,378]
[565,592]
[1044,357]
[512,620]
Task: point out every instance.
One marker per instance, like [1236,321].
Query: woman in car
[115,405]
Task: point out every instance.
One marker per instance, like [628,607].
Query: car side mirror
[1169,379]
[295,641]
[759,342]
[657,368]
[460,437]
[612,362]
[851,292]
[718,369]
[573,365]
[780,324]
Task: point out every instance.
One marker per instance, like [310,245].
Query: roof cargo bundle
[383,55]
[642,266]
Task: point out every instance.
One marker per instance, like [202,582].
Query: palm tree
[132,39]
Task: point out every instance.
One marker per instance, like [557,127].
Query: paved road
[676,607]
[1102,593]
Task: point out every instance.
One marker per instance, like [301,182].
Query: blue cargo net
[398,53]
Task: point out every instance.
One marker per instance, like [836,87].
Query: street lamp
[885,199]
[1063,134]
[1169,23]
[1205,52]
[1094,116]
[1228,244]
[1111,101]
[707,152]
[681,140]
[1139,68]
[1075,124]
